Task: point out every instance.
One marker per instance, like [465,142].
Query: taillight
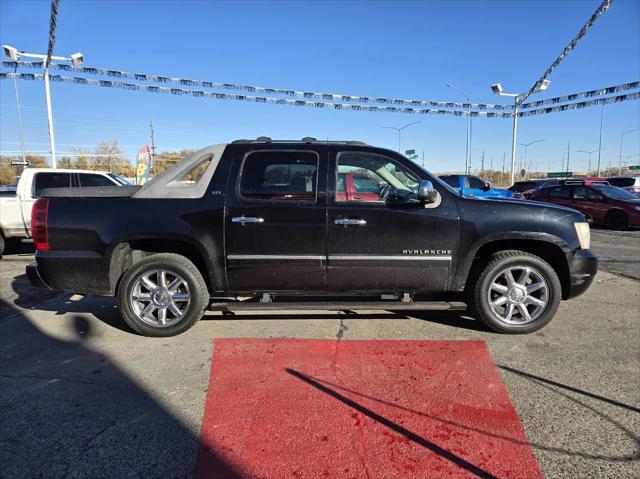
[39,214]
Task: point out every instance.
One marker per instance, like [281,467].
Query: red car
[602,204]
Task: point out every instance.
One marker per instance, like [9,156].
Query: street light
[467,157]
[526,147]
[588,153]
[497,89]
[76,59]
[620,161]
[399,130]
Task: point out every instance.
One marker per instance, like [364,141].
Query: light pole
[526,147]
[588,153]
[600,140]
[620,161]
[399,130]
[467,156]
[629,156]
[15,86]
[497,89]
[76,59]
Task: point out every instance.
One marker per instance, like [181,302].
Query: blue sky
[391,49]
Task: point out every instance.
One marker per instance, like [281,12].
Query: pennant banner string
[604,6]
[314,104]
[326,96]
[256,89]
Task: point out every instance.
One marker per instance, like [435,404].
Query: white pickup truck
[15,210]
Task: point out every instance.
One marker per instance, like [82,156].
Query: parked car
[267,220]
[602,204]
[470,185]
[359,187]
[15,207]
[524,189]
[628,183]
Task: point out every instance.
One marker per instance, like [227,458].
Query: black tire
[481,291]
[617,220]
[2,243]
[193,283]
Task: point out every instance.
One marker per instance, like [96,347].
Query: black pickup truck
[267,224]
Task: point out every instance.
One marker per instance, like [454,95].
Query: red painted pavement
[280,408]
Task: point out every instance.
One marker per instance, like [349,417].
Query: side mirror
[426,192]
[487,186]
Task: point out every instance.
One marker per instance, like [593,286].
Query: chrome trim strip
[388,258]
[276,256]
[340,257]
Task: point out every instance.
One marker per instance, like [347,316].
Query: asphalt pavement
[82,396]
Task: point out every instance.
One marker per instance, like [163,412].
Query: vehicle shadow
[69,410]
[106,310]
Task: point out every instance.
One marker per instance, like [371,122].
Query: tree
[81,161]
[166,159]
[7,174]
[108,155]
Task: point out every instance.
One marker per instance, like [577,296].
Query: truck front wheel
[516,292]
[162,295]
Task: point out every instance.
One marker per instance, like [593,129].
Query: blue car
[470,185]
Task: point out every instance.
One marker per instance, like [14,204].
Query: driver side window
[369,177]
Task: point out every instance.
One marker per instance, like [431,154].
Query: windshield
[614,192]
[119,179]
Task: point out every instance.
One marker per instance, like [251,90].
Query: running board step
[338,306]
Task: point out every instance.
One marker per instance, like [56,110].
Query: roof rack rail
[306,139]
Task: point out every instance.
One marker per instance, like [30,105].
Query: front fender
[503,240]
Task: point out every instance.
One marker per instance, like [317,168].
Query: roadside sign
[143,167]
[559,174]
[411,154]
[634,167]
[19,162]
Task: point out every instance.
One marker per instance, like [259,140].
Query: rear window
[87,179]
[50,180]
[622,182]
[279,176]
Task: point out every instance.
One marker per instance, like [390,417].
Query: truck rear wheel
[162,295]
[516,292]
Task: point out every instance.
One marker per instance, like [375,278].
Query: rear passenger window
[87,179]
[279,175]
[50,180]
[560,192]
[451,181]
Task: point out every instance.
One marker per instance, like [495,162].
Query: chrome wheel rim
[518,295]
[160,297]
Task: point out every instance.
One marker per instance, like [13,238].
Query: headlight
[584,234]
[637,208]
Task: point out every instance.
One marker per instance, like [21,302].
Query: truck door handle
[247,219]
[350,221]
